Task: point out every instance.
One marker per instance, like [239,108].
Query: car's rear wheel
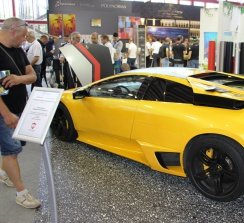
[62,125]
[215,166]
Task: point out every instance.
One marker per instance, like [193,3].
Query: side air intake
[168,159]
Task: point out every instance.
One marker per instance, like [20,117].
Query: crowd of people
[45,51]
[181,52]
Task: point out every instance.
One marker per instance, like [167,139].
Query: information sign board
[38,114]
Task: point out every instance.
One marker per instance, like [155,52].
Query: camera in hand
[3,74]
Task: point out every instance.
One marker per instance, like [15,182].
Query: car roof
[192,77]
[206,91]
[179,72]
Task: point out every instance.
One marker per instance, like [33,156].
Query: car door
[108,112]
[163,115]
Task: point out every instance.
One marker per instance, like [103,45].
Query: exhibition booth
[138,20]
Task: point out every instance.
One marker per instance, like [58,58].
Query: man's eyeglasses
[14,26]
[17,26]
[25,24]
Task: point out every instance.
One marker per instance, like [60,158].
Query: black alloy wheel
[62,125]
[215,165]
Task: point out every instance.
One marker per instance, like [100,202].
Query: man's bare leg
[11,166]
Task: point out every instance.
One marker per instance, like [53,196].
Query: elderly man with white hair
[13,58]
[35,57]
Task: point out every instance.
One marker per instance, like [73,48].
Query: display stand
[50,182]
[33,127]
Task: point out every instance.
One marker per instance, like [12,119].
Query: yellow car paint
[137,129]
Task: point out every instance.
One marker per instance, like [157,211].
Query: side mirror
[80,94]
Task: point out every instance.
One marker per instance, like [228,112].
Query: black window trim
[166,82]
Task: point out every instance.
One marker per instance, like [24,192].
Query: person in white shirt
[132,53]
[105,41]
[155,50]
[118,46]
[148,52]
[35,57]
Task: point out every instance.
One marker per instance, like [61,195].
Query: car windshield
[223,79]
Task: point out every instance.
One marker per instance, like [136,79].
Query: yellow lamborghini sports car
[180,121]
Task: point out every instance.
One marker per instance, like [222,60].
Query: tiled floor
[10,212]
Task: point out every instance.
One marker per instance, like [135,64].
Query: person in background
[125,67]
[105,41]
[155,50]
[178,52]
[186,43]
[164,53]
[194,54]
[49,44]
[13,58]
[25,46]
[55,43]
[118,46]
[35,57]
[70,79]
[148,52]
[66,40]
[59,75]
[132,53]
[94,38]
[171,60]
[43,41]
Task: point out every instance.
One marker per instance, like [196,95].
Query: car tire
[215,166]
[62,124]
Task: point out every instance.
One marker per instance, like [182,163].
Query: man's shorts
[8,145]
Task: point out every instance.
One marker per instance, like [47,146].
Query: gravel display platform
[96,186]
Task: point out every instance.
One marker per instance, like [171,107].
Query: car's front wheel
[62,125]
[215,166]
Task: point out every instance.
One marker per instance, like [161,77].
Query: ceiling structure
[201,3]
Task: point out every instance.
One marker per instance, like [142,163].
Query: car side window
[121,87]
[176,92]
[156,90]
[169,91]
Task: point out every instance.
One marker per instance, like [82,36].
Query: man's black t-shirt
[178,50]
[195,52]
[162,50]
[16,98]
